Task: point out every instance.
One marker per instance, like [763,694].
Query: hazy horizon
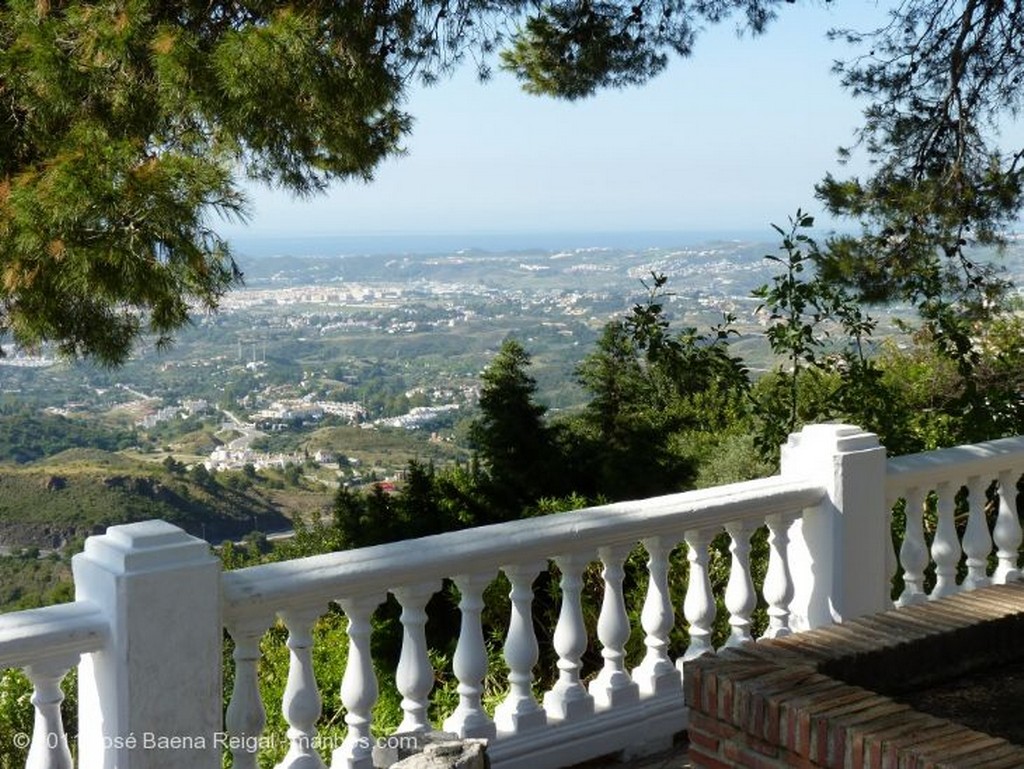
[261,245]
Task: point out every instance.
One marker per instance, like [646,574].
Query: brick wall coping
[821,698]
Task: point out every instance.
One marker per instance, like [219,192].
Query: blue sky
[730,139]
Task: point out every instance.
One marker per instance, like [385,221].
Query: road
[248,431]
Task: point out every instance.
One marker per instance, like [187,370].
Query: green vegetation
[26,436]
[30,580]
[52,505]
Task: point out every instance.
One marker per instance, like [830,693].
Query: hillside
[54,502]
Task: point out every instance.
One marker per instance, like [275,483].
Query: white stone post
[151,699]
[838,550]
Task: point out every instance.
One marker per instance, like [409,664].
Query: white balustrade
[740,598]
[943,473]
[415,675]
[613,687]
[47,643]
[358,685]
[805,506]
[829,558]
[470,663]
[519,711]
[568,699]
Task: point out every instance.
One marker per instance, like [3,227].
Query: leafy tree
[941,78]
[817,329]
[201,476]
[351,519]
[292,474]
[920,398]
[613,376]
[931,403]
[651,390]
[418,509]
[174,466]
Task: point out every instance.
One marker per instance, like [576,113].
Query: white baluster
[946,546]
[613,686]
[519,711]
[977,540]
[415,675]
[49,749]
[778,584]
[699,604]
[656,674]
[470,662]
[358,686]
[1007,531]
[246,717]
[301,704]
[913,550]
[740,598]
[568,699]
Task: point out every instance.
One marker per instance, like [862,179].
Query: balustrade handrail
[929,468]
[31,636]
[316,580]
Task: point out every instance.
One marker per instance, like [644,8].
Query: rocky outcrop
[434,750]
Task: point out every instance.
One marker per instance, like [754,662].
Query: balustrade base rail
[643,727]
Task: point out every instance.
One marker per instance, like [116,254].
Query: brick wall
[813,699]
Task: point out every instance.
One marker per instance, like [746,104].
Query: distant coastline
[434,242]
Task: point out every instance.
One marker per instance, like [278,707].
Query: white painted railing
[981,476]
[152,606]
[573,722]
[47,643]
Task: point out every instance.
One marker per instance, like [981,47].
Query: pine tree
[510,434]
[125,126]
